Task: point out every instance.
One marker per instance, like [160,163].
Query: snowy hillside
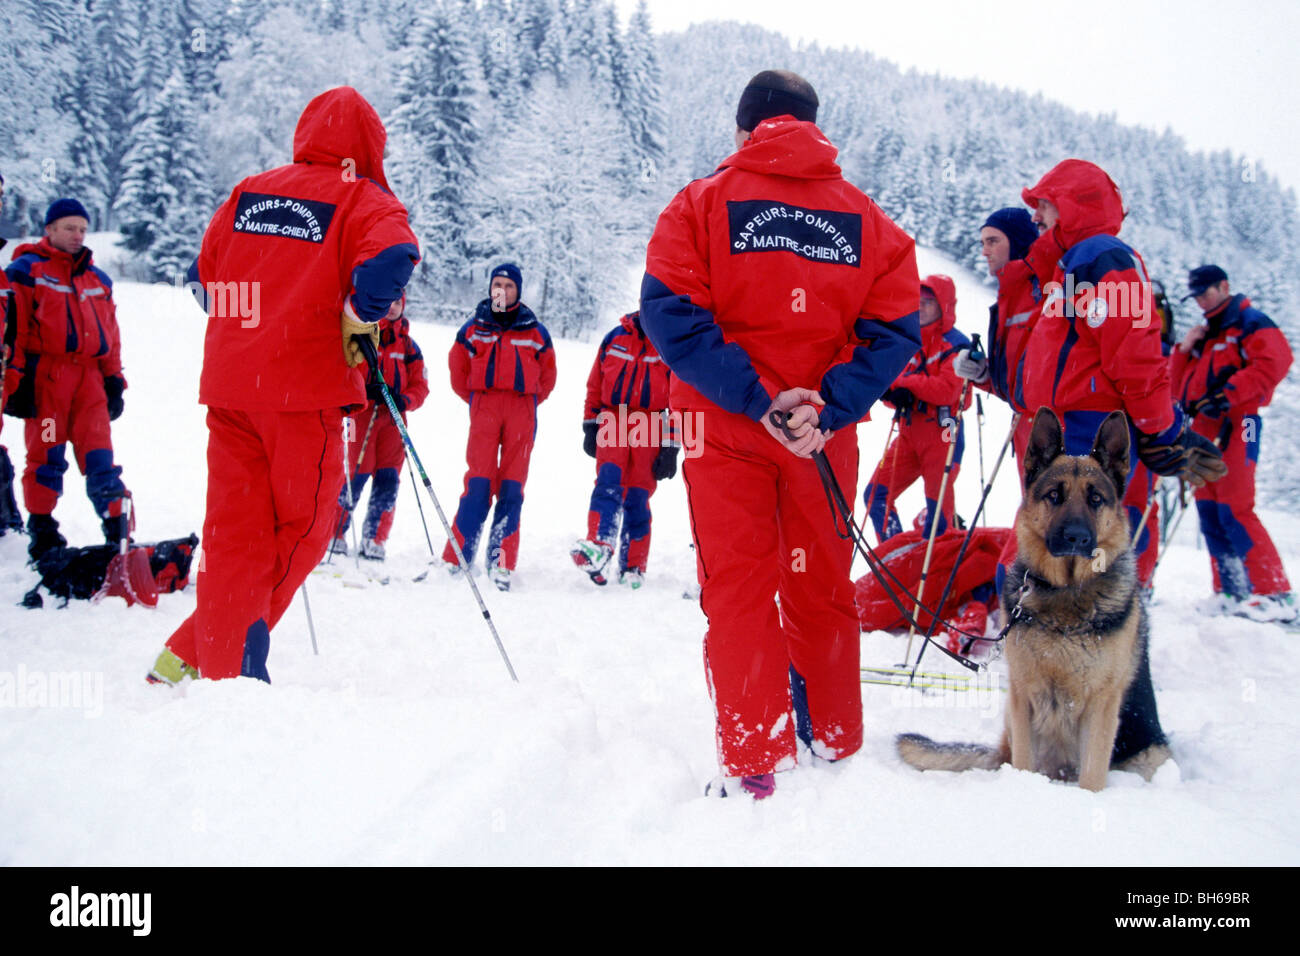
[406,742]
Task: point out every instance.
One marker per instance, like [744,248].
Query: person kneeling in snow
[627,430]
[375,438]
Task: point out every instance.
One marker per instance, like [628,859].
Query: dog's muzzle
[1072,538]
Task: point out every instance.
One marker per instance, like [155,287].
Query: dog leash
[840,511]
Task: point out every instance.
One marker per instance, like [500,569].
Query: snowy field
[404,741]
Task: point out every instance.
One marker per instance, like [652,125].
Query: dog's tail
[924,754]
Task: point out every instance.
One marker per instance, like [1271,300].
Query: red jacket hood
[785,146]
[338,126]
[1087,199]
[632,322]
[43,248]
[946,292]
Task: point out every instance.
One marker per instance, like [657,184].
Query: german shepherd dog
[1078,628]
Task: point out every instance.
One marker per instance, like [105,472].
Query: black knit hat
[776,93]
[1201,278]
[65,207]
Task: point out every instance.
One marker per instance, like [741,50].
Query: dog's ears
[1111,449]
[1046,443]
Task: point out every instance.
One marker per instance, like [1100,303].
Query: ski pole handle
[976,347]
[368,351]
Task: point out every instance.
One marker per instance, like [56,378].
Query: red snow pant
[502,427]
[273,478]
[70,407]
[624,482]
[919,451]
[1243,558]
[371,449]
[762,529]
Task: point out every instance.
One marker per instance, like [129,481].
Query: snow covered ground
[404,741]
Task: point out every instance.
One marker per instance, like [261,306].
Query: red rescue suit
[371,442]
[627,399]
[503,365]
[926,428]
[66,338]
[1096,342]
[770,274]
[278,262]
[1244,356]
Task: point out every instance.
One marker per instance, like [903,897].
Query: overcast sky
[1220,74]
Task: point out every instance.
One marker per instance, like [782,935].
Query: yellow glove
[354,326]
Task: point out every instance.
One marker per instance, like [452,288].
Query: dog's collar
[1039,583]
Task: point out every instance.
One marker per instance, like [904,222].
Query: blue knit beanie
[65,207]
[1016,224]
[511,272]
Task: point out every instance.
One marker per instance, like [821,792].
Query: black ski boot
[115,529]
[11,518]
[44,533]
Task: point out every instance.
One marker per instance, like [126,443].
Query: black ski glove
[900,398]
[589,430]
[1189,457]
[1213,405]
[114,385]
[665,465]
[22,400]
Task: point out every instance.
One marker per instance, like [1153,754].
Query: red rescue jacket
[627,371]
[1243,352]
[401,363]
[63,306]
[489,355]
[1011,319]
[286,250]
[774,273]
[7,324]
[928,374]
[1096,338]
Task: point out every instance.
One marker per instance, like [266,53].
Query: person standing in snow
[1096,349]
[65,375]
[322,249]
[503,365]
[374,444]
[774,285]
[628,382]
[1224,371]
[1022,261]
[925,400]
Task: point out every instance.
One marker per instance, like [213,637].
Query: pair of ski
[925,680]
[351,577]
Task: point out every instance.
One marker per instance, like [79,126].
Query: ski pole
[875,486]
[979,428]
[938,513]
[419,504]
[368,350]
[311,627]
[1173,527]
[347,479]
[842,512]
[970,532]
[1219,442]
[1151,503]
